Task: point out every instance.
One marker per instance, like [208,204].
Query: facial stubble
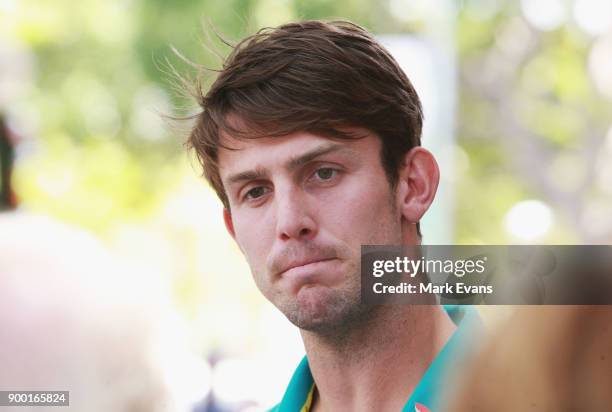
[335,312]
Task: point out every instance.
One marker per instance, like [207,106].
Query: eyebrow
[298,161]
[294,163]
[258,173]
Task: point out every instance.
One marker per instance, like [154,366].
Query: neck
[377,363]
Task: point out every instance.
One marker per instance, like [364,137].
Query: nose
[293,215]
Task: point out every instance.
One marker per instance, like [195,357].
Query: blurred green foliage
[101,81]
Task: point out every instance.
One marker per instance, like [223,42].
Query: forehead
[266,152]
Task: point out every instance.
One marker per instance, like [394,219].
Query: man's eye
[255,192]
[325,173]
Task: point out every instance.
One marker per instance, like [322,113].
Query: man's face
[301,207]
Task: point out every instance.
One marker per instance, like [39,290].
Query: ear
[418,182]
[229,224]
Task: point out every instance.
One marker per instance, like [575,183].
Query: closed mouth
[303,263]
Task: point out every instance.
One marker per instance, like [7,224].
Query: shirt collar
[427,392]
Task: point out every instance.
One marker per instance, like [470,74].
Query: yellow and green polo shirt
[429,391]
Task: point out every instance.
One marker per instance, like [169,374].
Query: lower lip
[304,273]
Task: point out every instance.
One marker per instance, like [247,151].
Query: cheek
[254,240]
[360,207]
[255,251]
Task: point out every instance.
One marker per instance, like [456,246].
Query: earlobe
[418,183]
[229,224]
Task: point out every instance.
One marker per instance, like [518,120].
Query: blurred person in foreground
[551,358]
[74,319]
[310,135]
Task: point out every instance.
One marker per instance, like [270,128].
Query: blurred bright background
[518,103]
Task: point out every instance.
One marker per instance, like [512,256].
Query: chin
[322,309]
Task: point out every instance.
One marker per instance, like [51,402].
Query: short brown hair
[313,76]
